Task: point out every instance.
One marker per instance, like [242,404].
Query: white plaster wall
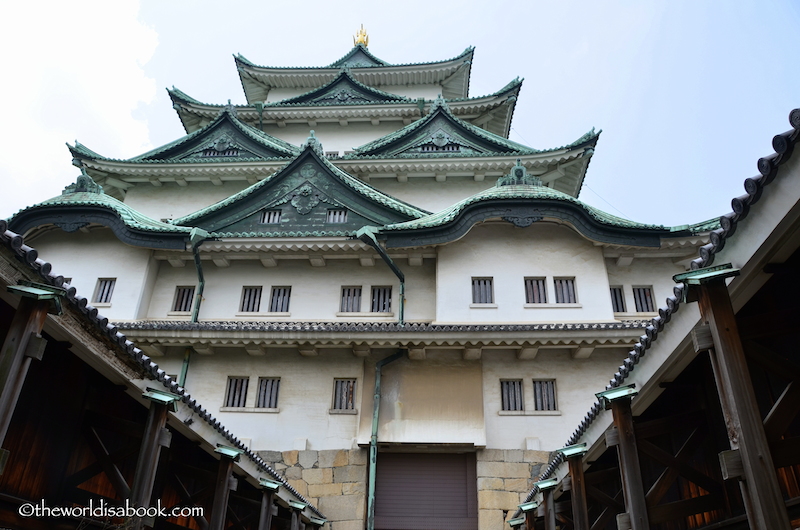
[316,291]
[99,254]
[171,201]
[574,396]
[412,91]
[304,399]
[657,273]
[509,254]
[332,135]
[427,193]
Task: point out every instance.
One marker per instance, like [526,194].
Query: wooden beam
[109,467]
[630,470]
[549,509]
[580,512]
[222,488]
[265,513]
[783,411]
[147,463]
[762,495]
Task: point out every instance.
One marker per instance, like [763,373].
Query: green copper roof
[376,62]
[516,192]
[85,192]
[440,126]
[348,181]
[699,228]
[344,89]
[358,57]
[226,134]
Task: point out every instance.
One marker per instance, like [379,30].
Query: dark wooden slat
[672,511]
[684,469]
[670,424]
[783,412]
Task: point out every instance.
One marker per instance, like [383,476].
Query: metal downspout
[373,440]
[196,238]
[367,235]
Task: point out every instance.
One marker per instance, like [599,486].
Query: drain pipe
[373,440]
[184,368]
[196,238]
[367,235]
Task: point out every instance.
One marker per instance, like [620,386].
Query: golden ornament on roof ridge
[361,37]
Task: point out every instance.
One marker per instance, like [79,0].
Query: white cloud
[72,70]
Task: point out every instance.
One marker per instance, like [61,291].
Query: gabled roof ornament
[361,37]
[314,143]
[230,109]
[83,184]
[519,176]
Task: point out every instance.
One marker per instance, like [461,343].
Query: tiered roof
[453,74]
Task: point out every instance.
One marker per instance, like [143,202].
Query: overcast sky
[688,93]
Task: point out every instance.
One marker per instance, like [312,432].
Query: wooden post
[155,435]
[265,514]
[762,495]
[630,471]
[530,520]
[580,511]
[549,509]
[222,489]
[295,520]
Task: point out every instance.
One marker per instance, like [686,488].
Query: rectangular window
[618,299]
[331,154]
[279,301]
[535,291]
[337,216]
[351,299]
[512,395]
[381,300]
[267,397]
[565,291]
[251,300]
[104,290]
[482,291]
[344,394]
[544,394]
[183,299]
[643,296]
[236,395]
[271,217]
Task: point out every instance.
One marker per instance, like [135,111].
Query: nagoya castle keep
[355,303]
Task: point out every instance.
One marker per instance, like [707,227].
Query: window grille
[271,217]
[643,296]
[279,302]
[251,299]
[236,396]
[331,154]
[183,299]
[344,394]
[482,291]
[267,397]
[351,299]
[381,299]
[544,394]
[512,395]
[535,291]
[212,152]
[617,299]
[427,148]
[105,288]
[565,291]
[337,216]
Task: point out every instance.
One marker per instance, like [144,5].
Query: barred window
[331,154]
[544,394]
[251,300]
[617,299]
[643,296]
[482,291]
[267,397]
[183,298]
[104,290]
[535,291]
[351,299]
[236,395]
[565,291]
[512,395]
[344,394]
[271,217]
[337,216]
[381,299]
[279,301]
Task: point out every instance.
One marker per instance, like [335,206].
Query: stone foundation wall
[505,477]
[334,481]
